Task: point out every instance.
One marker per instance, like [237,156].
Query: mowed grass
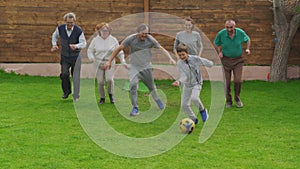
[40,130]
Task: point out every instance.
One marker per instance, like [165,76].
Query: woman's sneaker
[239,104]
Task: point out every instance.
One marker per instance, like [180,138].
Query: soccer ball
[187,125]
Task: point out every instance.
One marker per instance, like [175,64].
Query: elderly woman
[99,51]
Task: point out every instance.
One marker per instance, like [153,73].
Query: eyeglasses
[229,27]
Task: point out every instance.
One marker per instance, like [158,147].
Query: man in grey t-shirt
[140,68]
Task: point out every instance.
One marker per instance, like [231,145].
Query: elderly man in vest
[72,40]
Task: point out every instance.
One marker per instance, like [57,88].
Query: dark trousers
[75,64]
[235,66]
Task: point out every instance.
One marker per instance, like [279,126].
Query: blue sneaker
[134,111]
[204,115]
[160,104]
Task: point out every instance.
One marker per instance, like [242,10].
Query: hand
[93,60]
[248,51]
[176,83]
[54,48]
[220,55]
[73,47]
[172,61]
[106,66]
[126,66]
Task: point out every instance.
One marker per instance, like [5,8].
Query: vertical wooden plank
[146,11]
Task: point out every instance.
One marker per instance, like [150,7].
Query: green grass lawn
[40,130]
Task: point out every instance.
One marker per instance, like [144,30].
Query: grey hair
[230,21]
[70,15]
[142,27]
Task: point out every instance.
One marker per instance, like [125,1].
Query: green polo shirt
[231,47]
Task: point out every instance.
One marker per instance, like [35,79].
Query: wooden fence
[27,25]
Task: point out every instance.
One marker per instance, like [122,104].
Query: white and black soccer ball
[187,125]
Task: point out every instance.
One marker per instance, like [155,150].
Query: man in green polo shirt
[229,44]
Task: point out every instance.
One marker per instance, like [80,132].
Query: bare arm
[200,52]
[176,43]
[168,54]
[107,65]
[248,47]
[219,50]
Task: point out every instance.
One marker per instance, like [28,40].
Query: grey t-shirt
[191,40]
[140,51]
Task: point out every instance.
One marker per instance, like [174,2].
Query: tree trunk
[278,70]
[285,33]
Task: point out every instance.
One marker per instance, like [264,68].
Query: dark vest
[66,51]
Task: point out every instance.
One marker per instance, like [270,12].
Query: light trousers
[108,76]
[147,78]
[191,94]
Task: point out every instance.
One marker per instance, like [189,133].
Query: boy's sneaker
[134,111]
[195,121]
[204,115]
[160,104]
